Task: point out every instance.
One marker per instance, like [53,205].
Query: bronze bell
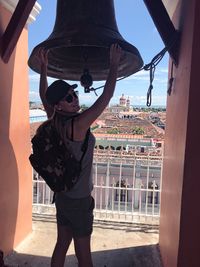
[81,38]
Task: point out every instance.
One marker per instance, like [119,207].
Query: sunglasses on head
[69,98]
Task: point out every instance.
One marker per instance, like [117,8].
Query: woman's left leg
[64,239]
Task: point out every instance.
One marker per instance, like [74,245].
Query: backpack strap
[83,149]
[85,145]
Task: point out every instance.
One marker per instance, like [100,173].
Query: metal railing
[127,187]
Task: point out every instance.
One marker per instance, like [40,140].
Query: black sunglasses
[69,97]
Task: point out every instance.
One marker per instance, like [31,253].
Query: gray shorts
[75,213]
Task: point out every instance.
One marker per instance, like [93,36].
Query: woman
[75,208]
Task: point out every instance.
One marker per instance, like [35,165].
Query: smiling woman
[70,131]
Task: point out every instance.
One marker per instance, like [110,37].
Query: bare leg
[64,239]
[83,252]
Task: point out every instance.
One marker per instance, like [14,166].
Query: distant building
[37,115]
[128,102]
[123,106]
[128,115]
[122,101]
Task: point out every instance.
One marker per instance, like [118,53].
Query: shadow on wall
[9,178]
[142,256]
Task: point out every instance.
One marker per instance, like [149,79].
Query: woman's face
[70,103]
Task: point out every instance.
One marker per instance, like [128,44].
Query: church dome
[122,97]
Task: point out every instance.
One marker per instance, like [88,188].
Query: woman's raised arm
[87,117]
[43,55]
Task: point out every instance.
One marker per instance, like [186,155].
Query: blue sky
[136,26]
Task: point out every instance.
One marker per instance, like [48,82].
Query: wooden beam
[165,27]
[17,22]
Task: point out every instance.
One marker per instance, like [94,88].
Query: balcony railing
[127,188]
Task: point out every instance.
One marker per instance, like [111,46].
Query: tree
[31,103]
[137,130]
[113,131]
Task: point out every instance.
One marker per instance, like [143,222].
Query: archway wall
[180,216]
[16,172]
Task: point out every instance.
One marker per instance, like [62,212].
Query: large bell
[82,35]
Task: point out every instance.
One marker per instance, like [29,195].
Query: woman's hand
[115,55]
[43,57]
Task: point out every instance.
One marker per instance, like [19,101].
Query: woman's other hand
[115,54]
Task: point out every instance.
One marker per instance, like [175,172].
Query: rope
[151,67]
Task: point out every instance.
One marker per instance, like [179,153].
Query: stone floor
[113,245]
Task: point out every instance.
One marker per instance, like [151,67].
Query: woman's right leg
[64,239]
[83,251]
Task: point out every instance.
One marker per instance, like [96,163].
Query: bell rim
[49,44]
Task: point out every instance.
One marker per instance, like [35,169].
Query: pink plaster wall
[15,175]
[180,220]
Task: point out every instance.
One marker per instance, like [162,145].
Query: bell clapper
[86,81]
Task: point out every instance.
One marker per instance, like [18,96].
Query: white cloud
[161,80]
[33,93]
[141,100]
[164,70]
[141,75]
[34,77]
[144,75]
